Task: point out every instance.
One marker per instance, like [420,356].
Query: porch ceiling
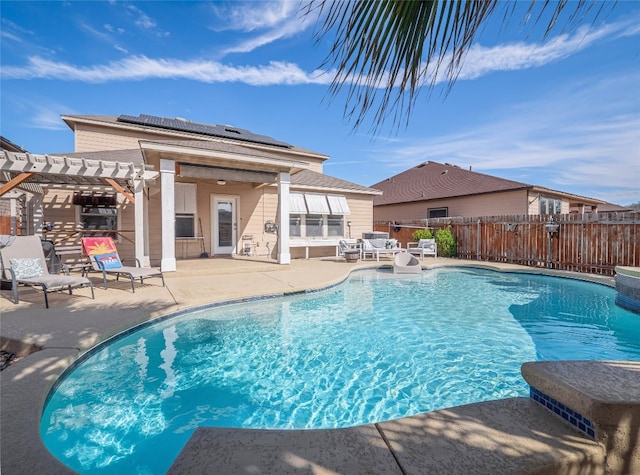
[227,174]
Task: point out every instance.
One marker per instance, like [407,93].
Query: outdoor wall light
[222,182]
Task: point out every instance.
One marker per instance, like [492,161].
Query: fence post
[478,241]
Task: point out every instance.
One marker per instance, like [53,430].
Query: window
[313,225]
[295,225]
[550,206]
[335,225]
[97,211]
[185,225]
[185,208]
[437,213]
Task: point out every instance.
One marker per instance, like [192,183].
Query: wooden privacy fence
[593,243]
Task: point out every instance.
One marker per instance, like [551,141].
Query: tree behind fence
[593,243]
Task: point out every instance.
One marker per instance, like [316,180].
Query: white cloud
[481,60]
[269,21]
[137,68]
[142,19]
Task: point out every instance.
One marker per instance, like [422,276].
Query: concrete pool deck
[73,324]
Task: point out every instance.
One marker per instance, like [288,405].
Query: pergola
[127,179]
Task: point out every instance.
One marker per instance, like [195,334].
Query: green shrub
[447,246]
[422,234]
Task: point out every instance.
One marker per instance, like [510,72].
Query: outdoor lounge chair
[23,262]
[424,247]
[104,258]
[405,263]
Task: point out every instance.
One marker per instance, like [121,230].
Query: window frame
[431,210]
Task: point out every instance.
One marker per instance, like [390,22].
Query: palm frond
[385,51]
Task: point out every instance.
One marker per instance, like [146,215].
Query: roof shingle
[432,180]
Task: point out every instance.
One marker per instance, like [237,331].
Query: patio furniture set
[23,263]
[386,247]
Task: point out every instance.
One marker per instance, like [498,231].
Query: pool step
[510,436]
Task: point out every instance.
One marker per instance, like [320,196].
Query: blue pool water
[377,347]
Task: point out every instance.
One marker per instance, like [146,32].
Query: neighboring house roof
[605,207]
[308,179]
[181,128]
[433,181]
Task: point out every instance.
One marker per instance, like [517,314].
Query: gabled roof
[432,180]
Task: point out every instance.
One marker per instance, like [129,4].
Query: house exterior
[436,190]
[168,188]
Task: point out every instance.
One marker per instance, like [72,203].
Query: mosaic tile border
[574,418]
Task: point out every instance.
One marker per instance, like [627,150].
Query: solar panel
[183,125]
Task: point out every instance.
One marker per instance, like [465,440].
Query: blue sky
[561,112]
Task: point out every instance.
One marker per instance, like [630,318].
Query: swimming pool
[377,347]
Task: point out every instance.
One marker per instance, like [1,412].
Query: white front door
[225,224]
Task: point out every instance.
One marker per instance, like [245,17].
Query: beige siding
[91,138]
[493,204]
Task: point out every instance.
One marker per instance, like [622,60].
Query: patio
[75,323]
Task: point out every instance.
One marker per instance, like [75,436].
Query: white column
[284,181]
[141,236]
[167,192]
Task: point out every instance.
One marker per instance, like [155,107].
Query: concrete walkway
[75,323]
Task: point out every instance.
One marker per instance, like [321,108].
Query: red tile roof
[432,180]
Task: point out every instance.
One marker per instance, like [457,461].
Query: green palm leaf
[384,52]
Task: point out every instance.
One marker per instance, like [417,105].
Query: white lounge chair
[24,263]
[424,247]
[405,263]
[104,258]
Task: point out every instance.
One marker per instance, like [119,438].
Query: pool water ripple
[375,348]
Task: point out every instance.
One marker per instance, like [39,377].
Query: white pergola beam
[53,165]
